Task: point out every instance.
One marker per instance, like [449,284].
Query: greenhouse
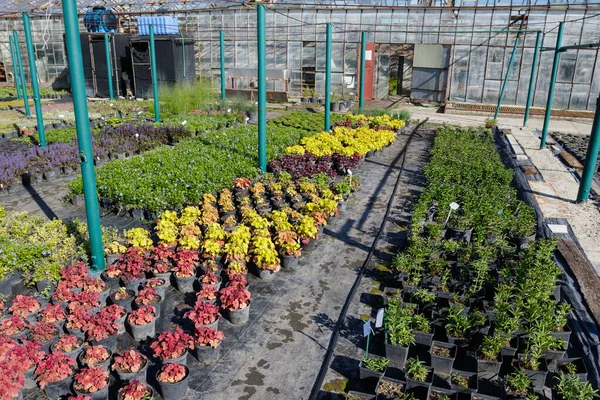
[303,199]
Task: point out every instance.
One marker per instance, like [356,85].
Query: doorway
[400,73]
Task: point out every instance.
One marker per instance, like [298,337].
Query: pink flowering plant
[53,313]
[172,373]
[63,293]
[234,297]
[171,345]
[135,390]
[43,332]
[23,306]
[142,316]
[129,361]
[68,343]
[12,325]
[55,367]
[93,355]
[147,296]
[75,275]
[207,292]
[91,380]
[206,336]
[203,313]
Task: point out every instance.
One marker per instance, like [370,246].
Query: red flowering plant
[93,355]
[43,332]
[238,280]
[203,313]
[206,336]
[207,292]
[101,326]
[210,278]
[162,254]
[113,271]
[75,275]
[12,380]
[55,367]
[171,373]
[114,311]
[234,297]
[6,345]
[12,325]
[121,294]
[68,343]
[26,355]
[53,313]
[95,285]
[133,264]
[79,397]
[142,316]
[185,262]
[90,380]
[154,283]
[147,296]
[23,306]
[63,293]
[84,300]
[135,390]
[129,361]
[171,345]
[78,319]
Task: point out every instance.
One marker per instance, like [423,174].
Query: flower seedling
[43,332]
[172,373]
[142,316]
[91,380]
[209,278]
[12,325]
[207,292]
[375,364]
[147,296]
[135,390]
[68,343]
[206,336]
[53,313]
[154,283]
[185,263]
[75,275]
[55,367]
[93,355]
[23,306]
[170,345]
[571,387]
[63,293]
[234,297]
[122,294]
[129,361]
[491,346]
[415,369]
[11,380]
[203,313]
[518,383]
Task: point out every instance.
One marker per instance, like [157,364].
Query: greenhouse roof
[46,7]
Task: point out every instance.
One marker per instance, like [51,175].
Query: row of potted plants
[474,308]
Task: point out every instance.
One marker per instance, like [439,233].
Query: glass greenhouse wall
[477,60]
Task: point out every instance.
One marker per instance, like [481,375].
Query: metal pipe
[261,37]
[510,64]
[363,52]
[536,54]
[591,158]
[22,74]
[15,66]
[154,77]
[84,141]
[580,46]
[223,77]
[552,84]
[37,101]
[108,66]
[328,79]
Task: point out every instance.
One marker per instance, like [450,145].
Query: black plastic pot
[174,391]
[390,380]
[182,359]
[74,354]
[442,365]
[6,287]
[304,100]
[165,276]
[396,354]
[113,283]
[141,332]
[29,377]
[156,305]
[77,332]
[510,351]
[185,284]
[46,286]
[133,284]
[334,106]
[360,395]
[524,241]
[206,354]
[111,258]
[423,338]
[565,335]
[538,378]
[160,290]
[56,390]
[125,303]
[101,394]
[239,317]
[366,373]
[457,234]
[266,274]
[413,384]
[557,366]
[110,343]
[313,100]
[488,369]
[289,262]
[442,392]
[130,376]
[473,383]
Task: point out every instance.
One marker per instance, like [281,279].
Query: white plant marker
[379,319]
[453,207]
[350,174]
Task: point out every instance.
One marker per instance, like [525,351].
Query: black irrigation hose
[342,317]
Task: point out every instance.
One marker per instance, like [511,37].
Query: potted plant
[75,275]
[211,279]
[55,374]
[84,300]
[130,365]
[334,102]
[103,330]
[373,367]
[117,314]
[206,344]
[399,338]
[122,297]
[62,294]
[44,332]
[157,284]
[308,231]
[173,381]
[71,345]
[305,95]
[208,294]
[135,390]
[25,306]
[53,313]
[388,388]
[489,359]
[569,366]
[457,325]
[23,357]
[460,227]
[235,300]
[463,381]
[518,384]
[417,374]
[111,275]
[172,347]
[442,357]
[78,322]
[204,314]
[134,267]
[113,250]
[148,297]
[96,285]
[95,356]
[422,329]
[12,326]
[313,96]
[142,322]
[534,365]
[571,387]
[92,382]
[265,257]
[289,248]
[163,262]
[185,269]
[241,186]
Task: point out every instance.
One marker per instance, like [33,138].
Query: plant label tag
[350,172]
[454,206]
[366,328]
[111,104]
[184,122]
[500,212]
[379,320]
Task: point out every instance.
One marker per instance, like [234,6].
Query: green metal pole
[37,102]
[552,83]
[154,77]
[108,65]
[261,36]
[15,66]
[82,123]
[510,64]
[21,74]
[223,77]
[328,79]
[591,158]
[536,54]
[363,52]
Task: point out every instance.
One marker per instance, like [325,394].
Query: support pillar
[261,36]
[37,101]
[552,84]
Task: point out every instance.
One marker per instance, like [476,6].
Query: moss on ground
[336,385]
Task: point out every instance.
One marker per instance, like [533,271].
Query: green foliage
[310,122]
[518,383]
[202,123]
[58,135]
[571,387]
[490,123]
[375,364]
[180,98]
[415,369]
[491,346]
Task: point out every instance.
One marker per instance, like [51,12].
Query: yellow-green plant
[139,237]
[264,253]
